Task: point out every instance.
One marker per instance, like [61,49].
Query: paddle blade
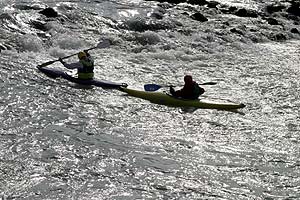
[208,83]
[152,87]
[104,44]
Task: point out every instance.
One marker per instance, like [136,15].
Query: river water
[59,141]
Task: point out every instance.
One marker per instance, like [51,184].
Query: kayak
[55,73]
[165,99]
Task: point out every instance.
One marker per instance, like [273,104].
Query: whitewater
[61,141]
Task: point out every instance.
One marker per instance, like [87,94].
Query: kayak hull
[165,99]
[55,73]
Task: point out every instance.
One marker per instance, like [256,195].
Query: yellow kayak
[165,99]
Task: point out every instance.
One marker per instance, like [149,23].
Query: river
[59,141]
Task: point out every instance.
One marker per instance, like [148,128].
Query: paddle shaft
[206,83]
[53,61]
[77,53]
[154,87]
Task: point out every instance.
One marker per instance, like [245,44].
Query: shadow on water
[79,86]
[192,110]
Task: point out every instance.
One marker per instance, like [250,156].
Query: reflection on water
[60,141]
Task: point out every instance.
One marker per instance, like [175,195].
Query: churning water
[59,141]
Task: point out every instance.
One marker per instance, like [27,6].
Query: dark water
[62,142]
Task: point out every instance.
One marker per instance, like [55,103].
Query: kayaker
[85,65]
[190,90]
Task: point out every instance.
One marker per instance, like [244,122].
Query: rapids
[59,141]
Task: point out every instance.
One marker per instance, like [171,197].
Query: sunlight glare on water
[62,141]
[251,4]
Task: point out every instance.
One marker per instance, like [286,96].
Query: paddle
[153,87]
[103,44]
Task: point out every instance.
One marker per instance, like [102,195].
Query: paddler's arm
[88,55]
[173,92]
[75,65]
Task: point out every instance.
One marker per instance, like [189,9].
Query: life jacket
[191,91]
[87,71]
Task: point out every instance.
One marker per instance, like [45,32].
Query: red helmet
[188,79]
